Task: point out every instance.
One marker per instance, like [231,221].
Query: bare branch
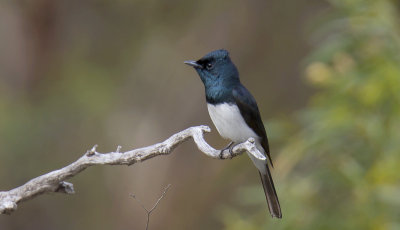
[154,206]
[55,181]
[159,199]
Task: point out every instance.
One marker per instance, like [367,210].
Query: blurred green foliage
[340,169]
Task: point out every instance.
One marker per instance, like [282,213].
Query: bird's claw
[229,147]
[221,154]
[231,152]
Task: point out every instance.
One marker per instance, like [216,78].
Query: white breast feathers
[230,123]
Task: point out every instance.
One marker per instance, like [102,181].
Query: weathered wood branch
[54,182]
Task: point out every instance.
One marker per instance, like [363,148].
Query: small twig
[92,151]
[154,206]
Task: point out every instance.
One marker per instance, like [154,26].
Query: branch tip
[7,207]
[92,151]
[205,128]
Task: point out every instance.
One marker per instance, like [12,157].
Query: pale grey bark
[55,181]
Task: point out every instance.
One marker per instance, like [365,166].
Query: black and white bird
[235,114]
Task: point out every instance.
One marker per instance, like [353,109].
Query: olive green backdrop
[326,75]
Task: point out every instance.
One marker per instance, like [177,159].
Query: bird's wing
[249,110]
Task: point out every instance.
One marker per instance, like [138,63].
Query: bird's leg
[227,147]
[231,149]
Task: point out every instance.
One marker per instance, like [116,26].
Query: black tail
[270,194]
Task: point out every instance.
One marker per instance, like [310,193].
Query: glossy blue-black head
[216,69]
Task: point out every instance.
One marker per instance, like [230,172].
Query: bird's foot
[231,150]
[227,147]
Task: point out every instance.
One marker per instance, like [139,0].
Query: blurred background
[326,75]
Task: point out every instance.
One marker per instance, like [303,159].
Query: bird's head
[216,69]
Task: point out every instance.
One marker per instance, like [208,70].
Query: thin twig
[155,205]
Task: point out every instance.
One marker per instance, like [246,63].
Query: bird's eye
[209,66]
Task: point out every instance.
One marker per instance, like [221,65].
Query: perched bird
[235,114]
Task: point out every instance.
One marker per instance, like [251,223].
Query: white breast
[230,123]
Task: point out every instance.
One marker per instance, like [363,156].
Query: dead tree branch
[55,181]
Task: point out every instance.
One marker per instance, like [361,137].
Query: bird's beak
[194,64]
